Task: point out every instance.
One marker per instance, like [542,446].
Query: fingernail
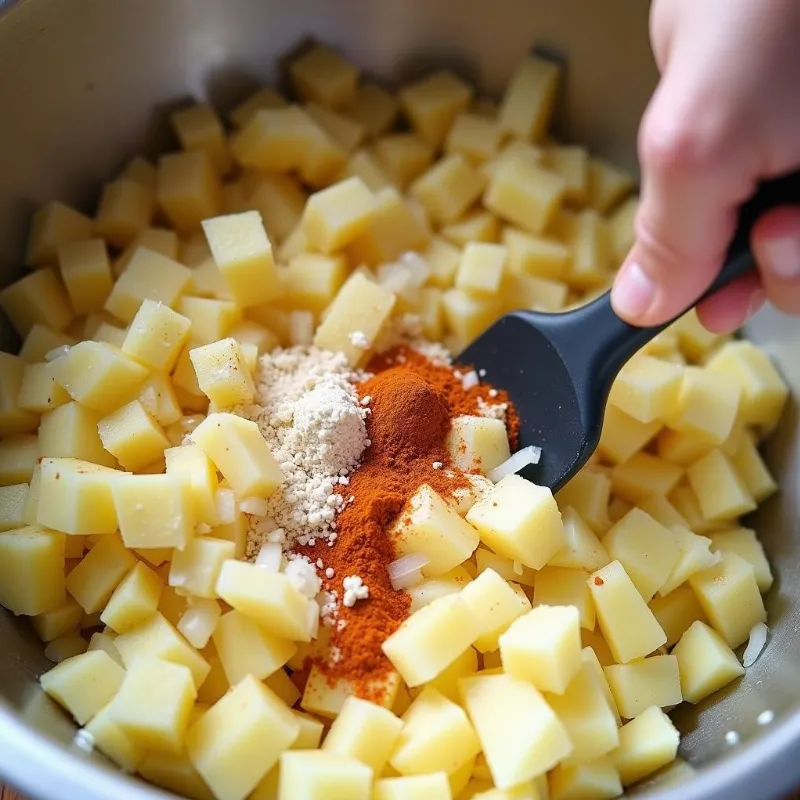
[634,291]
[784,257]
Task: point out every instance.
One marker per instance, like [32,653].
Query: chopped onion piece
[313,618]
[756,644]
[270,557]
[470,380]
[407,570]
[418,266]
[57,352]
[198,622]
[520,459]
[257,506]
[225,502]
[84,740]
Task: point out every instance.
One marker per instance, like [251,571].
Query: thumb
[692,185]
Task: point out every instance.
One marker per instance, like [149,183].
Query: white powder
[307,409]
[354,590]
[359,339]
[492,410]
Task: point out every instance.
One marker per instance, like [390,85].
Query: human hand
[725,115]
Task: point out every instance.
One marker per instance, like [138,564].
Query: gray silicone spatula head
[558,368]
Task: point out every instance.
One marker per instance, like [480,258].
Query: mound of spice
[412,402]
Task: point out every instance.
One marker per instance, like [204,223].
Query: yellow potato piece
[39,391]
[559,586]
[653,681]
[199,128]
[583,549]
[174,773]
[156,335]
[338,215]
[418,787]
[529,98]
[132,436]
[744,542]
[240,738]
[448,188]
[494,605]
[646,744]
[55,224]
[477,443]
[647,388]
[222,374]
[114,742]
[86,273]
[676,611]
[317,775]
[92,582]
[589,493]
[599,780]
[134,600]
[125,210]
[322,75]
[721,493]
[188,189]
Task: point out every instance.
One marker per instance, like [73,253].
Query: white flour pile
[308,411]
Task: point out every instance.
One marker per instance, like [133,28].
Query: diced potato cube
[84,684]
[110,334]
[311,728]
[524,194]
[519,520]
[37,298]
[345,131]
[188,189]
[39,392]
[598,780]
[448,188]
[55,224]
[590,243]
[720,492]
[246,648]
[360,305]
[373,108]
[154,511]
[519,733]
[647,388]
[132,436]
[430,526]
[651,682]
[67,646]
[317,775]
[243,254]
[265,97]
[477,443]
[434,786]
[100,571]
[443,260]
[252,333]
[432,104]
[729,595]
[126,208]
[31,570]
[113,742]
[543,647]
[436,735]
[338,215]
[588,493]
[481,269]
[156,335]
[75,496]
[494,605]
[99,376]
[159,240]
[222,373]
[86,273]
[52,624]
[646,744]
[474,137]
[240,453]
[240,738]
[608,185]
[623,436]
[134,600]
[312,281]
[707,405]
[211,319]
[325,697]
[323,76]
[12,505]
[705,661]
[559,586]
[365,165]
[364,731]
[149,276]
[676,611]
[764,391]
[404,156]
[535,255]
[626,622]
[268,598]
[235,532]
[40,340]
[70,431]
[643,476]
[476,226]
[280,200]
[572,164]
[744,543]
[195,569]
[199,128]
[622,228]
[467,316]
[446,682]
[18,457]
[646,549]
[529,99]
[506,568]
[174,773]
[195,468]
[154,704]
[751,468]
[426,592]
[694,556]
[431,639]
[156,638]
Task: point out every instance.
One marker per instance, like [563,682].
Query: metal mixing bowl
[84,85]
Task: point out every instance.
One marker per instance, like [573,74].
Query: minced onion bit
[57,352]
[407,570]
[225,502]
[755,645]
[257,506]
[520,459]
[198,622]
[270,557]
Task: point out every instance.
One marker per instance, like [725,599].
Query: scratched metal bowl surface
[85,84]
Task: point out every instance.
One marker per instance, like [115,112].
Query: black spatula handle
[614,341]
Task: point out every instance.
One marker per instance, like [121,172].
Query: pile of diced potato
[548,636]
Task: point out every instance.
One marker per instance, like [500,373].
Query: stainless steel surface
[79,82]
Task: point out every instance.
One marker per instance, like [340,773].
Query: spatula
[558,368]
